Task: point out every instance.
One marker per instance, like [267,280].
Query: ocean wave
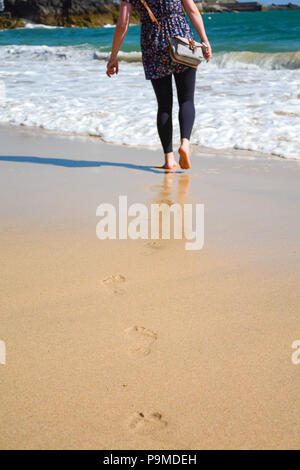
[263,60]
[133,56]
[242,59]
[222,60]
[233,60]
[41,53]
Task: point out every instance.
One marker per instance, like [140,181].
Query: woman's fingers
[112,68]
[207,54]
[207,51]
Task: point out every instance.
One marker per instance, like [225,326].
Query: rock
[67,12]
[9,22]
[219,6]
[289,6]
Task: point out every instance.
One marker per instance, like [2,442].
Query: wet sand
[140,344]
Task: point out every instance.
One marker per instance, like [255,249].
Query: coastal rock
[219,6]
[275,6]
[87,13]
[9,22]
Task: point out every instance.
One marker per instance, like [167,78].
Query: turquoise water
[274,31]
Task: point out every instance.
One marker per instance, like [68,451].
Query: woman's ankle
[169,160]
[185,141]
[169,157]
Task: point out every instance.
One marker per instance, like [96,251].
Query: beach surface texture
[142,344]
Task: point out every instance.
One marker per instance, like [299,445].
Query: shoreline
[99,332]
[203,151]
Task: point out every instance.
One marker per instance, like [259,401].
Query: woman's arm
[196,20]
[119,36]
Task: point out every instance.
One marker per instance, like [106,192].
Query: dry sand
[139,344]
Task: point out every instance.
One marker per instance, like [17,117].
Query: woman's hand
[207,53]
[112,67]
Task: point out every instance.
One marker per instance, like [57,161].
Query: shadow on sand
[68,163]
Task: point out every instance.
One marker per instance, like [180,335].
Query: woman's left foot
[170,163]
[169,166]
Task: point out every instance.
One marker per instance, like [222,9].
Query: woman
[159,67]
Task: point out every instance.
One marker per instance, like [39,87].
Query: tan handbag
[183,50]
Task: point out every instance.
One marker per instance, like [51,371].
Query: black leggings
[185,84]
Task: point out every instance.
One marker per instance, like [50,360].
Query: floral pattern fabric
[156,57]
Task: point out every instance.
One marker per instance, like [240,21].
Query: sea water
[247,96]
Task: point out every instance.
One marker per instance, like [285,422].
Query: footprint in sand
[152,247]
[113,283]
[141,340]
[147,422]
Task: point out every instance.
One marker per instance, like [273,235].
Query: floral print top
[156,57]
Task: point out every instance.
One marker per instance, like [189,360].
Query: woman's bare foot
[184,151]
[170,163]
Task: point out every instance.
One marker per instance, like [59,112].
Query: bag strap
[150,12]
[191,41]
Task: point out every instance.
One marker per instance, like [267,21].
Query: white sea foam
[2,90]
[29,25]
[64,89]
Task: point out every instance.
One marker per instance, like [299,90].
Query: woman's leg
[164,95]
[185,84]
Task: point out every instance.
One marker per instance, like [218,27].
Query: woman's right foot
[184,151]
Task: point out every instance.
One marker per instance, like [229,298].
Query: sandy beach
[140,344]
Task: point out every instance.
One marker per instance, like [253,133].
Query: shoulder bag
[183,50]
